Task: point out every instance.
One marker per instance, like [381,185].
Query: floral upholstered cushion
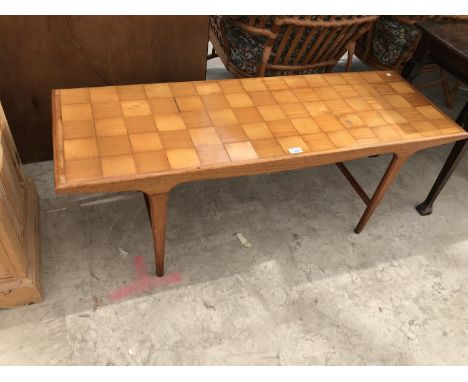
[246,48]
[391,39]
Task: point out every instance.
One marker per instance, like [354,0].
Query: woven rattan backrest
[300,43]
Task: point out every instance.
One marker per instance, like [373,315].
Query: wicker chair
[251,46]
[391,42]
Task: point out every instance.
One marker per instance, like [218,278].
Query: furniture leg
[158,210]
[353,182]
[425,208]
[462,118]
[213,54]
[390,174]
[147,204]
[349,60]
[449,93]
[413,67]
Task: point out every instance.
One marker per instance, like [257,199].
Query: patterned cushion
[391,38]
[246,48]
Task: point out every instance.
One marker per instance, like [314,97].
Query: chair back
[297,44]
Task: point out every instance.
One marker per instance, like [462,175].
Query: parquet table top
[104,134]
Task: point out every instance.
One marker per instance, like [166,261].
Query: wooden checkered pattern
[123,131]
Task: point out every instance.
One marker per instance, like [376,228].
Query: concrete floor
[308,291]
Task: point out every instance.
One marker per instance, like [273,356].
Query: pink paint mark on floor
[144,282]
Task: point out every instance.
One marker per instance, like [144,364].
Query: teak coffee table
[152,137]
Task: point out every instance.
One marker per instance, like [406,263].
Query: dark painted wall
[40,53]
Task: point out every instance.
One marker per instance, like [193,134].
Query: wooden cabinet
[19,227]
[40,53]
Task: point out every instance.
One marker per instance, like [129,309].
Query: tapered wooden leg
[390,174]
[147,204]
[158,210]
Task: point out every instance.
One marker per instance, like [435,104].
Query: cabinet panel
[19,232]
[6,271]
[39,53]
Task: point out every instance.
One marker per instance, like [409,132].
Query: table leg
[147,204]
[390,174]
[414,66]
[158,211]
[425,208]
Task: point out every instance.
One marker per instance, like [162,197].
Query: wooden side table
[447,45]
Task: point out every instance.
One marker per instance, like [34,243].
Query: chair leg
[158,211]
[425,208]
[449,93]
[414,65]
[388,178]
[148,207]
[349,59]
[213,54]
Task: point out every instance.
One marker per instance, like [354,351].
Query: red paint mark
[143,282]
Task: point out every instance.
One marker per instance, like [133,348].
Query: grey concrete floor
[308,291]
